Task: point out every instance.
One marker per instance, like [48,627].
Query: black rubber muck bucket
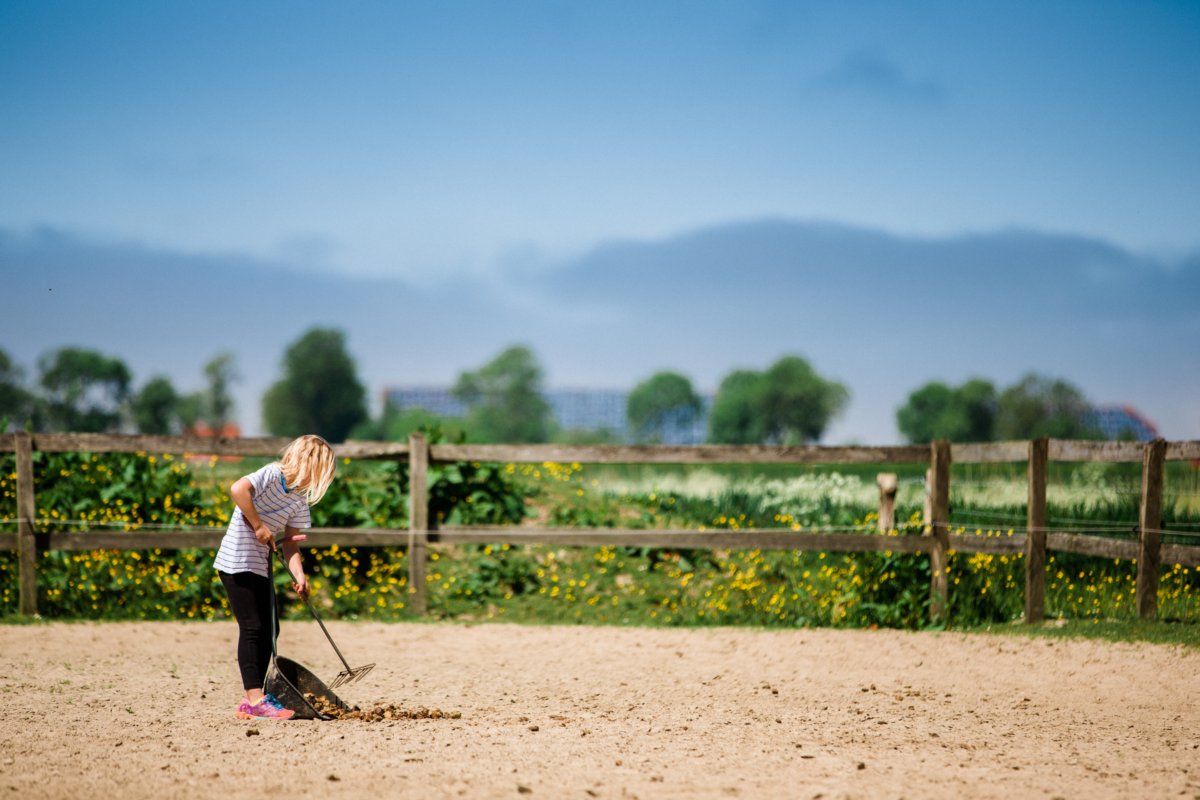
[290,681]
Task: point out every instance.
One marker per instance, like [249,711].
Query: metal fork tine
[350,676]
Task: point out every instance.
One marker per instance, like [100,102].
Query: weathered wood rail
[937,542]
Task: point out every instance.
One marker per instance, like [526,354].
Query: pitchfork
[348,675]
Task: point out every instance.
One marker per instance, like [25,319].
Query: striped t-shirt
[277,507]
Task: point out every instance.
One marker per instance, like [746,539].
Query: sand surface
[145,710]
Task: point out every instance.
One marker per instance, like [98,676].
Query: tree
[189,408]
[221,374]
[978,399]
[734,418]
[395,425]
[586,436]
[319,391]
[798,404]
[788,404]
[16,403]
[505,399]
[213,405]
[665,400]
[155,407]
[937,411]
[82,391]
[1039,406]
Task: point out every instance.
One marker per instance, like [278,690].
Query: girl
[274,500]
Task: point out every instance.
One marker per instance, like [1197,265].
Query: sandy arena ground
[145,710]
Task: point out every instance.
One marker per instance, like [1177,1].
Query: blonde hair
[308,466]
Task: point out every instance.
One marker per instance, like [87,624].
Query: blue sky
[437,142]
[420,138]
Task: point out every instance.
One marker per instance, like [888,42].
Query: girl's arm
[242,493]
[295,562]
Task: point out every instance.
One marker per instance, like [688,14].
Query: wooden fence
[1148,550]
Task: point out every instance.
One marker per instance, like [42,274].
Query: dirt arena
[145,710]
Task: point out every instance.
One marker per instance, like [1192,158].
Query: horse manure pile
[377,713]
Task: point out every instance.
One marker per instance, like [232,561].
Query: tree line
[318,390]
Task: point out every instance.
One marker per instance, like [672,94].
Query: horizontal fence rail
[937,542]
[681,454]
[244,446]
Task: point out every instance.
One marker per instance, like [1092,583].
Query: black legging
[250,598]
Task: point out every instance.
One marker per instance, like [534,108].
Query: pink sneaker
[266,708]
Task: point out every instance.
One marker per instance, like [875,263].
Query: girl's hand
[301,586]
[264,536]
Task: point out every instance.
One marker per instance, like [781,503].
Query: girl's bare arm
[295,562]
[242,492]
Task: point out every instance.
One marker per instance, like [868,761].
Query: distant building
[589,410]
[228,430]
[437,399]
[574,409]
[1122,422]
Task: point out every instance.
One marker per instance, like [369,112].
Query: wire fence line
[867,529]
[1012,522]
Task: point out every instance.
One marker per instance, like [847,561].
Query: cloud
[871,73]
[310,250]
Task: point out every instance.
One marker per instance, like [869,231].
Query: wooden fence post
[887,500]
[927,508]
[26,511]
[1035,533]
[939,520]
[1149,522]
[418,521]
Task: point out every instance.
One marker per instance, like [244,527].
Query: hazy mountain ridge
[741,260]
[879,312]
